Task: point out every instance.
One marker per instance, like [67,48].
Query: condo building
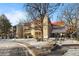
[34,29]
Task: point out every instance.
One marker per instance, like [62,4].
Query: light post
[61,38]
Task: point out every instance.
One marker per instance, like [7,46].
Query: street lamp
[61,38]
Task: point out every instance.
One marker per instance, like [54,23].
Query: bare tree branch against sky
[15,11]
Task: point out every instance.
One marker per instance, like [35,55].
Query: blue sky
[13,11]
[59,12]
[7,7]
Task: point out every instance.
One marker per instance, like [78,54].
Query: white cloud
[15,16]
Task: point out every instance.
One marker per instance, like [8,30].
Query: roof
[58,23]
[58,27]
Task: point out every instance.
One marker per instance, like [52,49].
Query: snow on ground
[72,52]
[36,43]
[8,44]
[70,42]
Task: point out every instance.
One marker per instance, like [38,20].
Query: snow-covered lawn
[72,52]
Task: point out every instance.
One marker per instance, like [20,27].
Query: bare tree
[39,10]
[71,17]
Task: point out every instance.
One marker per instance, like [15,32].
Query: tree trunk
[42,29]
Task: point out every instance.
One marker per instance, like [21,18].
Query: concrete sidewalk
[70,42]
